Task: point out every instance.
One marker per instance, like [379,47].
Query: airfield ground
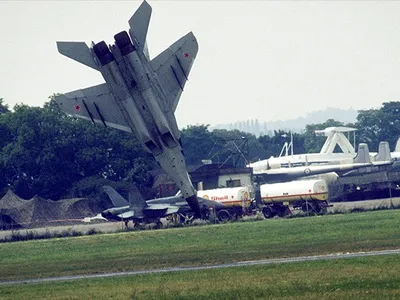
[108,227]
[360,278]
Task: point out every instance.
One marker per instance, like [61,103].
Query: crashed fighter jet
[140,95]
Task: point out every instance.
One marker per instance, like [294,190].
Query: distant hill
[258,127]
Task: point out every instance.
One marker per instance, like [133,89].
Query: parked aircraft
[140,94]
[348,162]
[142,211]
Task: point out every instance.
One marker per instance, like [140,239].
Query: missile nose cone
[194,205]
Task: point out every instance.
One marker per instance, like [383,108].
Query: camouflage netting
[16,212]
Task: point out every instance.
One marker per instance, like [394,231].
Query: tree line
[47,153]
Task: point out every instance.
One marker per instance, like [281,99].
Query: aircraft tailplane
[136,201]
[116,199]
[78,51]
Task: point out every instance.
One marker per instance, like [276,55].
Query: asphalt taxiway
[218,266]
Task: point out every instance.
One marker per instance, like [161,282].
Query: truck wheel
[283,212]
[267,212]
[159,225]
[137,225]
[224,215]
[321,209]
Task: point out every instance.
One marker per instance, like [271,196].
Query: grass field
[358,278]
[200,245]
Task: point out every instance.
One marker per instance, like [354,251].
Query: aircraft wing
[95,104]
[161,209]
[173,66]
[127,215]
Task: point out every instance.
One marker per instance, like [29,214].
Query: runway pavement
[219,266]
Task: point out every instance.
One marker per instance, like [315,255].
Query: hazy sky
[267,60]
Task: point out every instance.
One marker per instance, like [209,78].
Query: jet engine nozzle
[109,213]
[124,43]
[103,53]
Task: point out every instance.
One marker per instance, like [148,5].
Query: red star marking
[186,54]
[77,107]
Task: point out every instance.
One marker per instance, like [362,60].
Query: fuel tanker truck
[311,196]
[236,200]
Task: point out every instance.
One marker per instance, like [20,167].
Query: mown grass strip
[200,245]
[357,278]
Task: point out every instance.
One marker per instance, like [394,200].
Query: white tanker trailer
[309,195]
[237,200]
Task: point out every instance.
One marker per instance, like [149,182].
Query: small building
[212,176]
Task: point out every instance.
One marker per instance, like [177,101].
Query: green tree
[232,147]
[3,107]
[272,146]
[376,125]
[235,147]
[197,143]
[29,157]
[49,152]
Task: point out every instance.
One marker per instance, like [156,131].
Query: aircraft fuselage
[139,97]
